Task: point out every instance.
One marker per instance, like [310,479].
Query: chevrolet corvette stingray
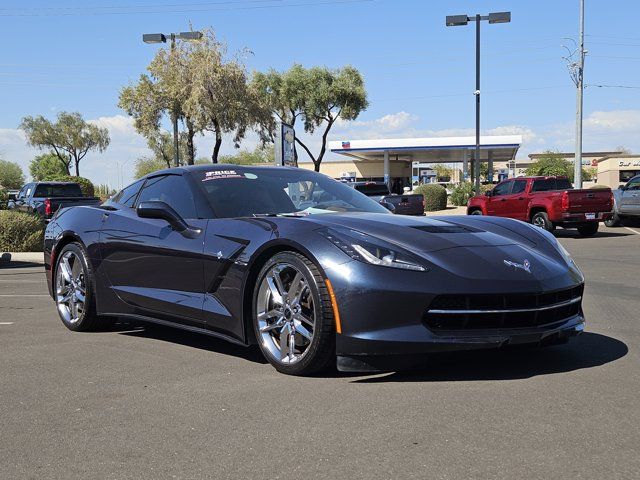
[311,270]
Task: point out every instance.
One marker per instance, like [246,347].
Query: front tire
[74,290]
[475,212]
[292,315]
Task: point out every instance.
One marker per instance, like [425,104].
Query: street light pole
[457,20]
[162,38]
[476,159]
[577,166]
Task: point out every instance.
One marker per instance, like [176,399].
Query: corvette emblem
[525,265]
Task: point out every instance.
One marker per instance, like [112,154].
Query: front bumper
[402,348]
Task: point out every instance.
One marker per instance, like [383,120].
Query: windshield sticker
[221,174]
[250,175]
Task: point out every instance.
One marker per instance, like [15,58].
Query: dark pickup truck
[405,204]
[546,202]
[46,198]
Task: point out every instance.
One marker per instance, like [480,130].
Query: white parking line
[632,230]
[24,295]
[6,323]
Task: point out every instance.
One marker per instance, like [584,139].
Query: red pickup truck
[546,202]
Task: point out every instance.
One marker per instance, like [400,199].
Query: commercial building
[405,161]
[616,170]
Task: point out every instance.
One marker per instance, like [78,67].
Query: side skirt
[180,326]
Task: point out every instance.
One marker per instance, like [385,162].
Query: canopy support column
[387,170]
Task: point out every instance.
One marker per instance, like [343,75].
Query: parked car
[374,190]
[316,280]
[405,204]
[46,198]
[546,202]
[626,202]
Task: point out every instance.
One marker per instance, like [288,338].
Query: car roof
[214,167]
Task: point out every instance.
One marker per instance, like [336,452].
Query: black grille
[482,312]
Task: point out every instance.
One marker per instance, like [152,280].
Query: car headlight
[368,249]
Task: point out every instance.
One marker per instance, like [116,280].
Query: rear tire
[74,291]
[541,219]
[292,315]
[475,212]
[588,229]
[614,221]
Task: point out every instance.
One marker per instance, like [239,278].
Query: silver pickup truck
[626,203]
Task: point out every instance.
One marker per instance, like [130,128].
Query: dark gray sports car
[310,269]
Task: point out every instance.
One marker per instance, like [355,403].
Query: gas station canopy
[496,148]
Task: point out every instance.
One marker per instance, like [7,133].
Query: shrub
[4,197]
[85,184]
[484,188]
[435,196]
[461,193]
[20,232]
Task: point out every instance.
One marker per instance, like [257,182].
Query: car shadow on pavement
[188,339]
[513,363]
[560,233]
[4,265]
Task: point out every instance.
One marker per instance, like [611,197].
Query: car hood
[428,234]
[469,247]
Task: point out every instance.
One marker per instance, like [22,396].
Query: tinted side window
[502,189]
[563,184]
[519,186]
[543,185]
[127,195]
[173,190]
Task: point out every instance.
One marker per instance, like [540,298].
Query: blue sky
[76,55]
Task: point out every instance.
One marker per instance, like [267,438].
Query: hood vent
[448,229]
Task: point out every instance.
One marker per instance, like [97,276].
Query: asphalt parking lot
[152,402]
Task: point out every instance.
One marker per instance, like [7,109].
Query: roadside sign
[284,145]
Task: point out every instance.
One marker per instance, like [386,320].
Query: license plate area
[590,216]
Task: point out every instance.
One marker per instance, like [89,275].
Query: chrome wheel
[70,287]
[285,313]
[538,221]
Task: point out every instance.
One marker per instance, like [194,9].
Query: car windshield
[246,192]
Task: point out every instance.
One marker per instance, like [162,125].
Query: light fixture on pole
[162,38]
[459,20]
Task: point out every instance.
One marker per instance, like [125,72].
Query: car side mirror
[623,187]
[488,193]
[12,196]
[161,210]
[389,206]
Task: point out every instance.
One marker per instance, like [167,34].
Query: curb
[22,257]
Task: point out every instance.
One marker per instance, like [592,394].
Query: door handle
[520,198]
[503,199]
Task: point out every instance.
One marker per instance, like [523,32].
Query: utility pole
[577,172]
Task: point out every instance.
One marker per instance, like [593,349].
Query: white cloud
[616,121]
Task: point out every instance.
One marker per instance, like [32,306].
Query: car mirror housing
[161,210]
[389,206]
[488,193]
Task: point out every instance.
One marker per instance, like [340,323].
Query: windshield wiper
[288,214]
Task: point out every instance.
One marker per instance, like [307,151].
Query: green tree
[443,173]
[550,164]
[147,165]
[318,96]
[261,154]
[220,99]
[46,166]
[11,175]
[70,137]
